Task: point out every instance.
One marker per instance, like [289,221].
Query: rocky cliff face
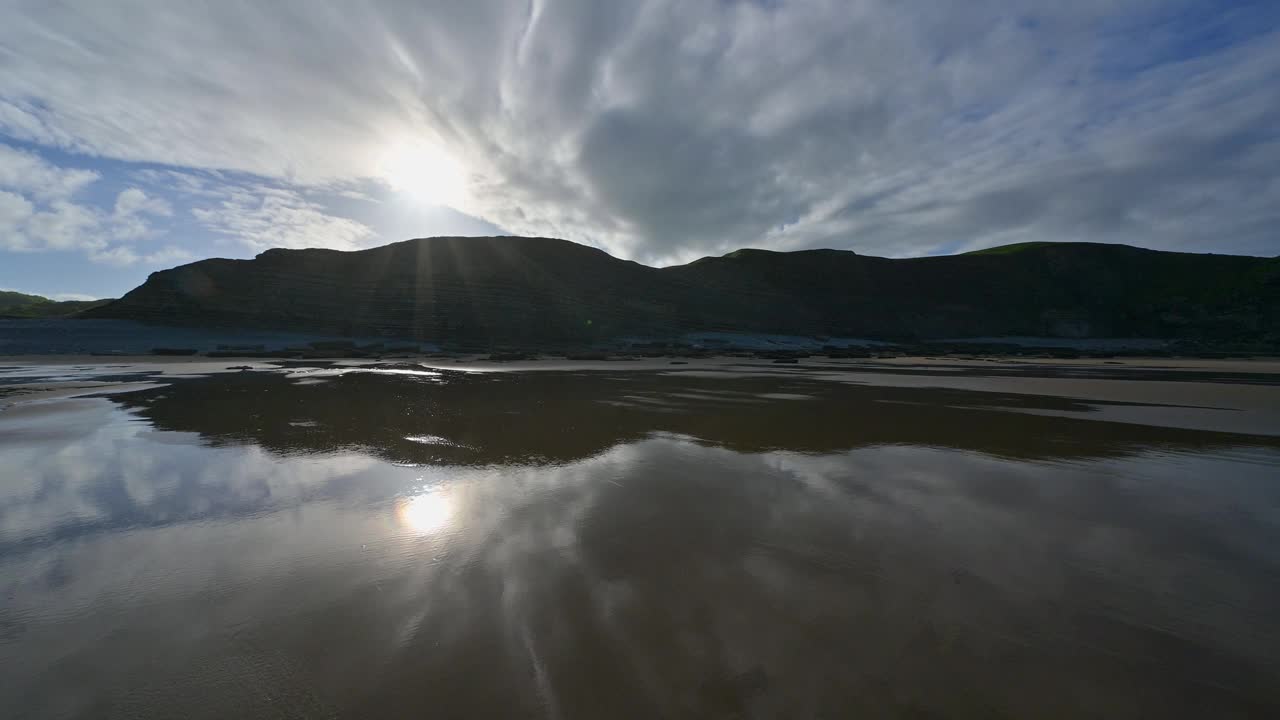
[535,291]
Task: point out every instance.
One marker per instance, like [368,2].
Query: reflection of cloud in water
[115,471]
[658,577]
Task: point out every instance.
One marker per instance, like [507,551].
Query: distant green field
[21,305]
[1009,249]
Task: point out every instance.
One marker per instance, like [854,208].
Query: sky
[139,135]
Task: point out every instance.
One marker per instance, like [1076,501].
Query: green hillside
[10,299]
[21,305]
[1009,249]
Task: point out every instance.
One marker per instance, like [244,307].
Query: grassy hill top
[22,305]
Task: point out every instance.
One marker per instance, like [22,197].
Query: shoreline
[110,339]
[535,361]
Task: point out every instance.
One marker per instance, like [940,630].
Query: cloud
[263,217]
[134,201]
[120,256]
[256,214]
[124,255]
[662,130]
[168,256]
[44,219]
[64,226]
[35,213]
[128,222]
[260,215]
[15,210]
[29,173]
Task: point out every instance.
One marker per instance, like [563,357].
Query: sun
[425,173]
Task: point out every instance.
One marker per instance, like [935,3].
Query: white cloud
[663,129]
[46,220]
[263,217]
[257,215]
[35,212]
[120,256]
[15,210]
[124,255]
[186,183]
[127,222]
[260,215]
[134,201]
[28,173]
[64,226]
[168,256]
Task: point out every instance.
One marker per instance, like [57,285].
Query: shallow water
[314,543]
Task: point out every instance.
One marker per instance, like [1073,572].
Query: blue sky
[135,136]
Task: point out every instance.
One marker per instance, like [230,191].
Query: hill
[534,291]
[1045,289]
[21,305]
[9,299]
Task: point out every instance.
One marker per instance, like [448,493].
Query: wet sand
[723,538]
[1231,395]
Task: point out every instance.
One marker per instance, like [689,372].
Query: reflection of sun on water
[426,513]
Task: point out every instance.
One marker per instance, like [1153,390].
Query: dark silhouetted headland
[532,291]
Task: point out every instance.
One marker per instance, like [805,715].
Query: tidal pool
[289,543]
